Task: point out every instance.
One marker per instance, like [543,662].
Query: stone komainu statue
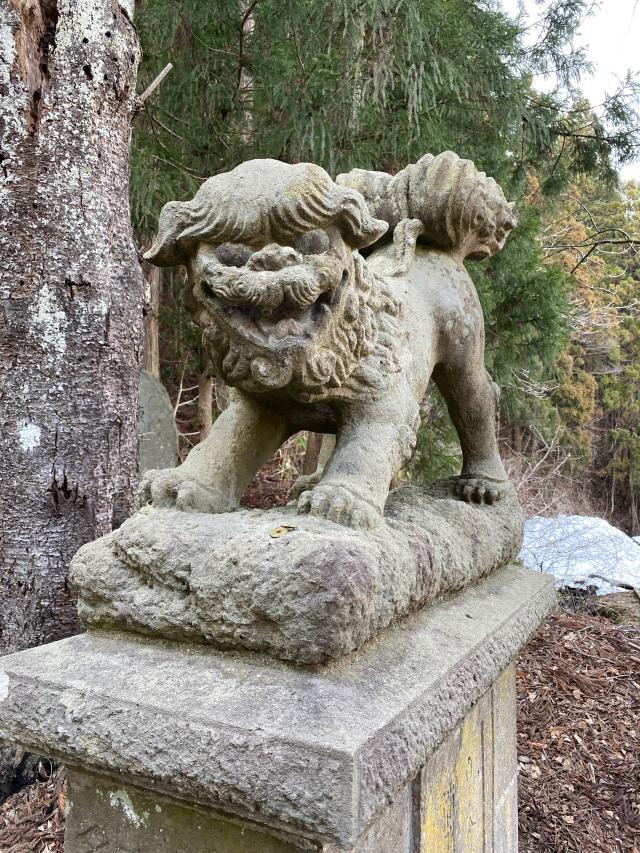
[312,336]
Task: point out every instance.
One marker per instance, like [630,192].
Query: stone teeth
[287,327]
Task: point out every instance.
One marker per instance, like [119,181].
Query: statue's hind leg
[471,401]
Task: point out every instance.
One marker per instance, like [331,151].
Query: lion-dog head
[285,300]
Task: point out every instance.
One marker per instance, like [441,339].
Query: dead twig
[155,83]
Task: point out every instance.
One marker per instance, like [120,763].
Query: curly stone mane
[451,197]
[357,358]
[442,201]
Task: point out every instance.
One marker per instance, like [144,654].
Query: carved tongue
[287,327]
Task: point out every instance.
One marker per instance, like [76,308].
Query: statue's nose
[274,257]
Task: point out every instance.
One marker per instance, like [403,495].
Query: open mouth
[280,328]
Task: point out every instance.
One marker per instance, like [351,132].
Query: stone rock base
[297,587]
[407,745]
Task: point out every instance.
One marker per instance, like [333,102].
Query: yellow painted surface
[437,832]
[468,786]
[469,775]
[504,725]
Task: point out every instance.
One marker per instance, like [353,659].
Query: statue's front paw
[339,504]
[173,487]
[304,483]
[476,490]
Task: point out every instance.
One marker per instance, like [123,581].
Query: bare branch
[154,85]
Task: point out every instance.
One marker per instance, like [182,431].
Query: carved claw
[477,490]
[173,487]
[305,482]
[339,504]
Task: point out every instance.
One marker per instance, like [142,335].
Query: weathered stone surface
[442,201]
[113,817]
[312,336]
[297,587]
[320,753]
[156,425]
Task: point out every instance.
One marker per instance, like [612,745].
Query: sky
[611,37]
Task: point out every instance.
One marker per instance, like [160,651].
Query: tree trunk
[151,355]
[71,293]
[205,403]
[634,505]
[312,453]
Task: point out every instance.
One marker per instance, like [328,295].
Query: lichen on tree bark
[71,292]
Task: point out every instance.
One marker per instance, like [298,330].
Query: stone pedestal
[407,745]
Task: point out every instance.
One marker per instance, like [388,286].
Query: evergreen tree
[377,84]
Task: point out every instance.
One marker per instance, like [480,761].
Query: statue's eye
[233,254]
[313,242]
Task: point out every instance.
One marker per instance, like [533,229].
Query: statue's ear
[166,250]
[358,226]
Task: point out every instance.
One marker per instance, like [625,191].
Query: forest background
[377,84]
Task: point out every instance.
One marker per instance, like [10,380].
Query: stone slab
[320,752]
[297,587]
[108,815]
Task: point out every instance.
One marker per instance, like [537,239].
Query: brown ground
[273,481]
[579,737]
[579,748]
[32,821]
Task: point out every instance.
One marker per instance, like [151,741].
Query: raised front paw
[339,504]
[477,490]
[173,487]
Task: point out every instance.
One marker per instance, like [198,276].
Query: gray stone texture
[312,336]
[156,425]
[110,816]
[298,587]
[320,753]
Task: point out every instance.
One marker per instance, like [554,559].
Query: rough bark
[71,293]
[151,355]
[312,454]
[205,403]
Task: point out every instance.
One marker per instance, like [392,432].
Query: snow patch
[28,435]
[582,551]
[49,322]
